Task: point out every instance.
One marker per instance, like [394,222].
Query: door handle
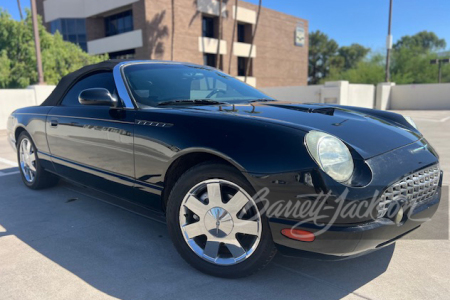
[54,123]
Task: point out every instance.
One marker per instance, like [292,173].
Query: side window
[98,80]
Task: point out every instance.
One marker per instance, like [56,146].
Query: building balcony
[250,80]
[210,7]
[209,45]
[119,42]
[57,9]
[243,49]
[244,15]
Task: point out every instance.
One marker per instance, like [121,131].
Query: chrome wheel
[220,222]
[27,160]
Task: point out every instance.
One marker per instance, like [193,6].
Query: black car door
[93,144]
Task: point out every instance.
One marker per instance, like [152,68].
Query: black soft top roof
[67,81]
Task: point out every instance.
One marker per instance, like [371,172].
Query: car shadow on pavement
[128,256]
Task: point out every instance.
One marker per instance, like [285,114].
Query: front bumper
[350,240]
[345,236]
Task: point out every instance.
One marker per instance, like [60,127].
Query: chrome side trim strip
[94,119]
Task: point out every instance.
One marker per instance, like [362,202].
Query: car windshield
[162,84]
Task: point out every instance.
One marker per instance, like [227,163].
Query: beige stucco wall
[420,96]
[12,99]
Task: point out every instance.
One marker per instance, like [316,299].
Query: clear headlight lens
[410,121]
[331,154]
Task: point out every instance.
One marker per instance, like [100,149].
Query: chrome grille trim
[417,187]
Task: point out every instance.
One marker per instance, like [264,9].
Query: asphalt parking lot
[68,243]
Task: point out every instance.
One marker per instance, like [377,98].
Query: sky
[352,21]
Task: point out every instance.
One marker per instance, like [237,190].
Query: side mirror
[97,96]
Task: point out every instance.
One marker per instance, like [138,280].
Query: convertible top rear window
[151,84]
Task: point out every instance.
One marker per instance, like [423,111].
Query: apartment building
[188,30]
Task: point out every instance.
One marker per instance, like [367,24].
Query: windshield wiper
[189,101]
[262,100]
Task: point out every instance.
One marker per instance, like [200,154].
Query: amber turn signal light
[298,234]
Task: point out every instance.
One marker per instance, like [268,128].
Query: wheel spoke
[31,165]
[194,229]
[235,248]
[196,206]
[236,203]
[28,147]
[211,249]
[214,195]
[246,227]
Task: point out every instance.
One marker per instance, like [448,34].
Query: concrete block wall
[334,92]
[384,96]
[413,96]
[12,99]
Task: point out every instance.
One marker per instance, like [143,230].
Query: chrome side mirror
[97,96]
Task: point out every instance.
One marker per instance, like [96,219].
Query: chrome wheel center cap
[219,222]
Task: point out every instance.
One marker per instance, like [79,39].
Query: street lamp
[439,62]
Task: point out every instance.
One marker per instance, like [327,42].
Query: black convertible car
[237,174]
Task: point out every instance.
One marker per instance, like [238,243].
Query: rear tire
[217,244]
[34,176]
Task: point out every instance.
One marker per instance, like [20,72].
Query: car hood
[367,133]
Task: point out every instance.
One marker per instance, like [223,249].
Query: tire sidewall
[185,183]
[35,183]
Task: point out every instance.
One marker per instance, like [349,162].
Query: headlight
[410,121]
[331,154]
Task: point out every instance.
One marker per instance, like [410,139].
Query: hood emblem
[414,151]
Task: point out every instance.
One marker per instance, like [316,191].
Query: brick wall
[278,61]
[95,28]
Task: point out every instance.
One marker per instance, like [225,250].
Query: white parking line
[10,173]
[433,120]
[8,162]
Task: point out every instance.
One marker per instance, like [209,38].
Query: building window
[209,27]
[126,54]
[209,60]
[72,30]
[244,33]
[242,66]
[241,33]
[119,23]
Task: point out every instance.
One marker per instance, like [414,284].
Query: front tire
[34,176]
[214,223]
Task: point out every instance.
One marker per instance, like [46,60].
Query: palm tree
[20,9]
[253,41]
[173,29]
[234,33]
[220,35]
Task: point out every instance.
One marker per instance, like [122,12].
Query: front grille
[418,187]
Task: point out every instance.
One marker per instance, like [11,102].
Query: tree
[219,36]
[20,9]
[18,59]
[410,61]
[321,50]
[411,58]
[352,55]
[236,7]
[173,29]
[369,71]
[247,71]
[422,42]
